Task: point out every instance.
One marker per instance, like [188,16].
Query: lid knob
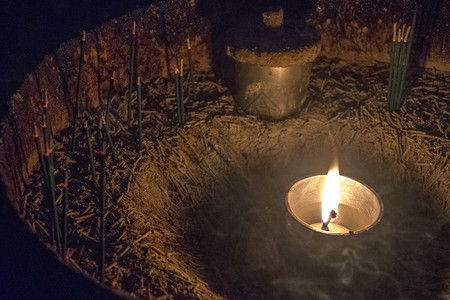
[273,18]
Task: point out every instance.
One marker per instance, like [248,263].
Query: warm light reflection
[331,193]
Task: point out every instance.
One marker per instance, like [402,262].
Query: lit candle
[333,204]
[330,203]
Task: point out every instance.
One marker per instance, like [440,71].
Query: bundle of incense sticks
[49,172]
[399,61]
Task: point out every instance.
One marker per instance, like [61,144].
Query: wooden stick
[139,111]
[191,70]
[65,204]
[91,156]
[110,94]
[78,96]
[102,210]
[131,77]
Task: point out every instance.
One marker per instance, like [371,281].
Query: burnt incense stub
[273,63]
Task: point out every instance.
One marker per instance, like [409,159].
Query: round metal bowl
[360,208]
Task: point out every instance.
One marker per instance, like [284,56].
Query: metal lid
[274,41]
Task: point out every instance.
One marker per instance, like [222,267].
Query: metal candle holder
[360,208]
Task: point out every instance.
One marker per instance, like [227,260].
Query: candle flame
[331,193]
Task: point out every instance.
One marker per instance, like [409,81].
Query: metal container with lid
[273,65]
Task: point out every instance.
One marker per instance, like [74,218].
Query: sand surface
[200,211]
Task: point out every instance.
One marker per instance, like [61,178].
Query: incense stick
[54,211]
[45,109]
[399,62]
[108,137]
[102,210]
[408,40]
[78,95]
[139,111]
[110,94]
[40,157]
[191,70]
[391,65]
[65,204]
[181,91]
[131,77]
[397,56]
[91,156]
[177,94]
[45,133]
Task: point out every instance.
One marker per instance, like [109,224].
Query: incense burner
[198,210]
[273,65]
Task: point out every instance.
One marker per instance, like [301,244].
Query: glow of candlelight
[330,193]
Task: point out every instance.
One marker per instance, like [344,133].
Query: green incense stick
[78,95]
[45,109]
[177,94]
[139,111]
[91,156]
[41,158]
[408,41]
[181,91]
[102,211]
[191,70]
[45,133]
[65,207]
[131,77]
[396,70]
[109,138]
[110,94]
[400,67]
[54,211]
[391,66]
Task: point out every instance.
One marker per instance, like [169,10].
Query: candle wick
[331,216]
